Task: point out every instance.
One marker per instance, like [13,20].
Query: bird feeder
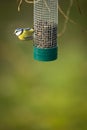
[45,27]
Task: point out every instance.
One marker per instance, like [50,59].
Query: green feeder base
[45,54]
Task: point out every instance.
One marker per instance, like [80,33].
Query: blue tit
[24,33]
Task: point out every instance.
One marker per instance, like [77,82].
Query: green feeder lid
[45,54]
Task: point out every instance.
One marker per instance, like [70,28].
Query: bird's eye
[15,31]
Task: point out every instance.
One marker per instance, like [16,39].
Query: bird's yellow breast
[25,34]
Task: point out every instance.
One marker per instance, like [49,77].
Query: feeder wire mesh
[45,23]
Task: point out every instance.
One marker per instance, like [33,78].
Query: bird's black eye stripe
[16,31]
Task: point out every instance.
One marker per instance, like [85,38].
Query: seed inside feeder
[45,34]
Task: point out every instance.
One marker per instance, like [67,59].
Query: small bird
[24,33]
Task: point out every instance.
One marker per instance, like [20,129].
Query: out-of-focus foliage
[37,95]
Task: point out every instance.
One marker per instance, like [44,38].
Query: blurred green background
[37,95]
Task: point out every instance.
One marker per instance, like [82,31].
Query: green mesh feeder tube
[45,30]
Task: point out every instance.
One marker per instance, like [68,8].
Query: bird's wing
[28,37]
